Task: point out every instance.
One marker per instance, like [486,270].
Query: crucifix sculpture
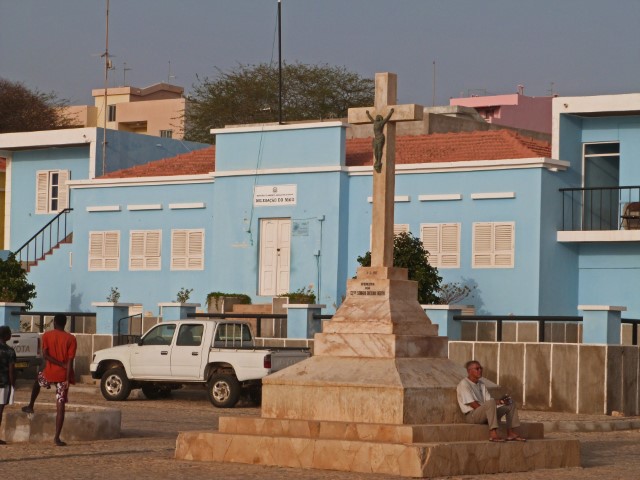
[385,114]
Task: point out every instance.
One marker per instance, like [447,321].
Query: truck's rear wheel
[223,390]
[114,385]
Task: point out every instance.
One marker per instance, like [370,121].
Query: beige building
[155,110]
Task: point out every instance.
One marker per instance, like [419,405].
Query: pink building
[512,110]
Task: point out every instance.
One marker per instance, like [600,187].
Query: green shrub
[14,286]
[409,253]
[213,298]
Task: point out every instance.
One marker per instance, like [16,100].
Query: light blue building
[286,207]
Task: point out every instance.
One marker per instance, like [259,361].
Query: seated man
[478,406]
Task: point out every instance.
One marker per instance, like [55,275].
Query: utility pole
[279,62]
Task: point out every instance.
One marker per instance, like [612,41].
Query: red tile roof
[195,162]
[437,147]
[452,147]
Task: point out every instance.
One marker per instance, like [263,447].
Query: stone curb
[590,426]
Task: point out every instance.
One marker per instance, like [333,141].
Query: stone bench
[81,423]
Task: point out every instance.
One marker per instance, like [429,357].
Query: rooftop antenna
[169,76]
[279,62]
[107,66]
[124,74]
[433,94]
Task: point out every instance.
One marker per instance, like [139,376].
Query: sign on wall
[274,195]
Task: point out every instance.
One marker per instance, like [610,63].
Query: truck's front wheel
[223,390]
[115,385]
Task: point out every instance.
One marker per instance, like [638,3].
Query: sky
[568,47]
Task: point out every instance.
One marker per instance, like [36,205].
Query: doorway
[275,256]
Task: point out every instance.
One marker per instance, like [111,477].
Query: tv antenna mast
[169,76]
[125,69]
[107,67]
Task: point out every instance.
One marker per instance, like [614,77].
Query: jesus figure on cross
[378,137]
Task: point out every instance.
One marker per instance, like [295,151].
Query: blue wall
[300,148]
[147,287]
[24,165]
[609,275]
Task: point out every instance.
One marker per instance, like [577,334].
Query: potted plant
[301,296]
[220,302]
[183,295]
[114,295]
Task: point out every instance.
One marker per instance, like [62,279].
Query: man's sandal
[496,439]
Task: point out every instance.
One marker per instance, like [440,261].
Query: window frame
[494,256]
[151,255]
[109,263]
[192,261]
[48,192]
[435,257]
[111,113]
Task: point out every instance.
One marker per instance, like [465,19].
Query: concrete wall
[589,379]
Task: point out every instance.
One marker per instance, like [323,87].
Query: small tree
[455,292]
[24,110]
[409,253]
[14,286]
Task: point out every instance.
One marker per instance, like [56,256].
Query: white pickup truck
[28,349]
[220,355]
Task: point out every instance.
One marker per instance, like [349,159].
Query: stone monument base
[406,450]
[378,396]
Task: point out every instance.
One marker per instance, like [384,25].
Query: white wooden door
[275,256]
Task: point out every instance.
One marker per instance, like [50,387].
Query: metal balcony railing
[601,208]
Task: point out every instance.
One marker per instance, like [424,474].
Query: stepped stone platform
[81,423]
[379,396]
[411,451]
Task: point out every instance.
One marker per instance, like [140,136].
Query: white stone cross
[385,113]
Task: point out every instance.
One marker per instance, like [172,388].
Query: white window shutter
[196,250]
[178,250]
[493,245]
[430,236]
[504,244]
[442,241]
[63,189]
[153,250]
[111,250]
[450,245]
[400,228]
[96,257]
[482,244]
[42,191]
[136,250]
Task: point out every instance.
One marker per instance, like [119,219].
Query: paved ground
[149,430]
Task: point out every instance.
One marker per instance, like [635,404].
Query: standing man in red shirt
[59,350]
